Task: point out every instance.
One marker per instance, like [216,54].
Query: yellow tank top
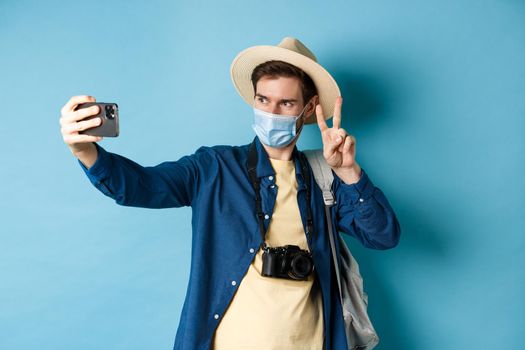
[274,313]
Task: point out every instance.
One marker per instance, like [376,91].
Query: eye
[287,104]
[261,99]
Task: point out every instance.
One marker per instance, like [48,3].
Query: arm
[169,184]
[88,155]
[363,211]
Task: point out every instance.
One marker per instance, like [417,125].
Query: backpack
[360,333]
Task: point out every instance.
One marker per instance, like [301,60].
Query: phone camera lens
[110,112]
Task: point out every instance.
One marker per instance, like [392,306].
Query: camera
[110,112]
[289,262]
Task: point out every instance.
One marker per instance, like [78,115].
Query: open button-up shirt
[214,181]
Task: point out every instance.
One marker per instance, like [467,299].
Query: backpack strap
[324,178]
[360,332]
[322,173]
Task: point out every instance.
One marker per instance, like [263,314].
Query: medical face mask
[275,130]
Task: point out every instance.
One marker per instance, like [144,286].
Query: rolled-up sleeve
[363,212]
[169,184]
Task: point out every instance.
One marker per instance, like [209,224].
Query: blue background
[434,93]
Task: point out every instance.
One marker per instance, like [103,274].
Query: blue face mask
[275,130]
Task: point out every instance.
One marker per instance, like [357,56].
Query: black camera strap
[252,171]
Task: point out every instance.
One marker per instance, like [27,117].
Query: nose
[274,108]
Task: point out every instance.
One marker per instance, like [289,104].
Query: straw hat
[292,51]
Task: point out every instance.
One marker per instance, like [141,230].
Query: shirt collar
[264,167]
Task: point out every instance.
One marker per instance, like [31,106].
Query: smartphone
[109,115]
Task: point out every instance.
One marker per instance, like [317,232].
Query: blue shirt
[214,181]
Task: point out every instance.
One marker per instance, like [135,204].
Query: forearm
[364,212]
[88,155]
[376,223]
[349,175]
[169,184]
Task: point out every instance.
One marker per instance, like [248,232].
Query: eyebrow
[281,101]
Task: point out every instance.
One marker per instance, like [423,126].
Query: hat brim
[242,67]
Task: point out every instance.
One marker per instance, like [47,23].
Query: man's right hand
[71,122]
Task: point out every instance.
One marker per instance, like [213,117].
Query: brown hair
[277,69]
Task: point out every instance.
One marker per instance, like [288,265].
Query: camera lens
[110,112]
[301,266]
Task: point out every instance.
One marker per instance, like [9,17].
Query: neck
[284,153]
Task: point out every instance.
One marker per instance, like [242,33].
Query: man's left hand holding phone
[84,121]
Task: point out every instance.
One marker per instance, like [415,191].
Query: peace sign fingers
[337,112]
[321,122]
[320,118]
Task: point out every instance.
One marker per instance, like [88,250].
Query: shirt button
[234,283]
[216,316]
[252,250]
[361,200]
[267,216]
[272,186]
[270,178]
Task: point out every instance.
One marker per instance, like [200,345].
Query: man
[252,203]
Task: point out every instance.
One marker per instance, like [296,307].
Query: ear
[311,106]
